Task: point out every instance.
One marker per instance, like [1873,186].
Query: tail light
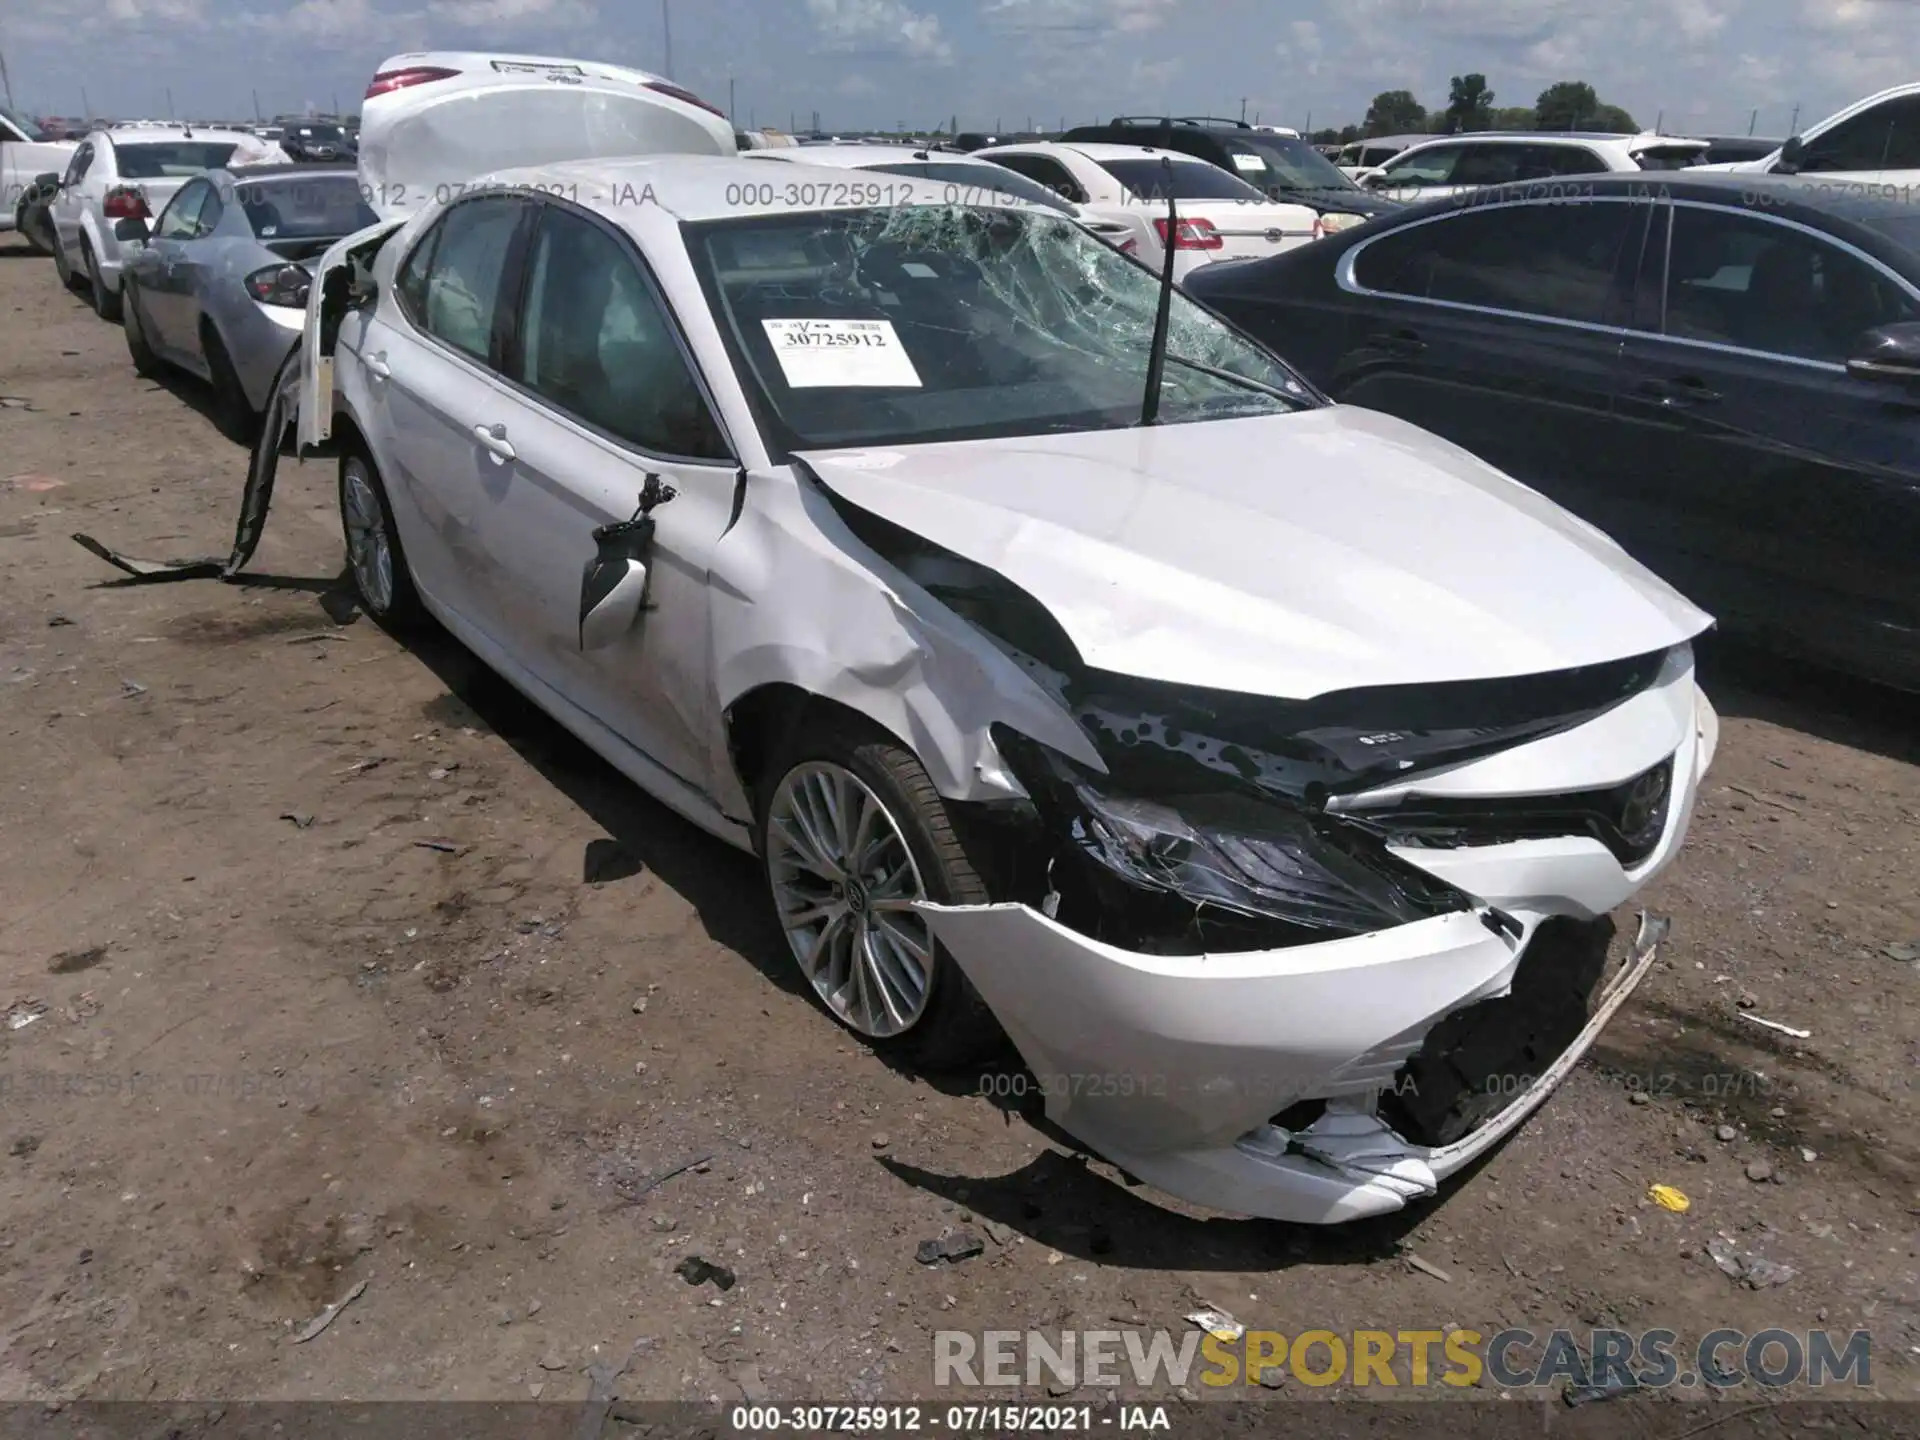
[280,285]
[124,202]
[1192,235]
[387,81]
[688,96]
[1130,245]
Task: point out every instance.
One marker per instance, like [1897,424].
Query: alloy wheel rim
[844,887]
[367,548]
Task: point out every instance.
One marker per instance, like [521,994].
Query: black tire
[955,1030]
[233,412]
[145,362]
[400,610]
[106,303]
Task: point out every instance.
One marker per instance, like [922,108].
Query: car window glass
[596,343]
[82,161]
[1189,180]
[1430,167]
[1887,137]
[1669,157]
[169,159]
[1487,165]
[1555,260]
[210,211]
[178,220]
[1049,172]
[462,288]
[1734,279]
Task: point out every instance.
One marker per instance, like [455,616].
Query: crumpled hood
[1287,555]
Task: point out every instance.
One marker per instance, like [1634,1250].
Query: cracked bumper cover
[1171,1067]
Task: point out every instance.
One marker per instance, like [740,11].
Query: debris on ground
[327,1316]
[300,821]
[1668,1197]
[1796,1033]
[1612,1388]
[1427,1268]
[1639,1097]
[879,1141]
[553,1360]
[72,962]
[633,1192]
[23,1013]
[1726,1132]
[23,1146]
[952,1249]
[444,847]
[1903,953]
[1217,1322]
[998,1233]
[131,688]
[696,1270]
[1756,1271]
[1759,1171]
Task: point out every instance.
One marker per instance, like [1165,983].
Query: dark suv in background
[1287,168]
[317,144]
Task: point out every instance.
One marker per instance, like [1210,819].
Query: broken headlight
[1255,858]
[1211,866]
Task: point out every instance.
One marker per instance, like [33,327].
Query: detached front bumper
[1175,1067]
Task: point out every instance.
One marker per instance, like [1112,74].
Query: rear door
[191,268]
[1425,176]
[605,393]
[1498,327]
[1763,479]
[434,382]
[69,204]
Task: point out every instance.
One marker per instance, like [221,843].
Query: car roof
[1780,195]
[859,154]
[1096,151]
[145,134]
[709,187]
[246,174]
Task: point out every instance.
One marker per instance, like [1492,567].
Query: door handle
[1398,342]
[1679,393]
[494,438]
[377,366]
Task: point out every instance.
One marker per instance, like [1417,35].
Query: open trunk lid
[433,121]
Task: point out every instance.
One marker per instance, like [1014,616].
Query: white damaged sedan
[1252,762]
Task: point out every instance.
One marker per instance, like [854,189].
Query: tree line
[1564,105]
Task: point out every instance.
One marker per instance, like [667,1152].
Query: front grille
[1628,819]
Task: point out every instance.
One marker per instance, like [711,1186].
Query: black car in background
[1288,169]
[1720,371]
[317,144]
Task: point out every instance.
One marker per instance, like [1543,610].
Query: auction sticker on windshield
[819,353]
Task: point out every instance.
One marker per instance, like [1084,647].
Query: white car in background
[972,180]
[1221,217]
[123,173]
[1456,164]
[1232,752]
[1359,156]
[25,155]
[1873,142]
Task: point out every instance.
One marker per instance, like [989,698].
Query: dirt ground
[266,1043]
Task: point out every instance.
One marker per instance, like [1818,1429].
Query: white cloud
[328,19]
[881,24]
[512,14]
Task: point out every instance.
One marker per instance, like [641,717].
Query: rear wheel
[852,833]
[232,409]
[381,581]
[106,303]
[145,362]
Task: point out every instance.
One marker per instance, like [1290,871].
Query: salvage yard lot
[327,959]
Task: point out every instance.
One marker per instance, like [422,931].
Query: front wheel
[106,303]
[852,834]
[381,581]
[145,362]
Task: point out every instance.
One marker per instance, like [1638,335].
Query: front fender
[799,600]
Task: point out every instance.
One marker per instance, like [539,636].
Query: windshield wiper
[1233,378]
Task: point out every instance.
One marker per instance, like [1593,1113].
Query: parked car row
[1077,671]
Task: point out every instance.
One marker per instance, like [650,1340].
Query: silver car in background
[219,285]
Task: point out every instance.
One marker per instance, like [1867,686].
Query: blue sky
[871,63]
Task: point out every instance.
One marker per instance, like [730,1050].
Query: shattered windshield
[943,322]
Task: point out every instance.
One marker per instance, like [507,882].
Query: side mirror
[131,231]
[1890,353]
[1790,154]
